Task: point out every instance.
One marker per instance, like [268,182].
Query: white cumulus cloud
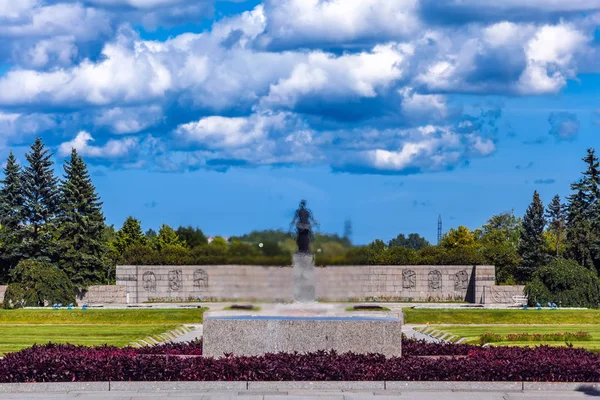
[111,149]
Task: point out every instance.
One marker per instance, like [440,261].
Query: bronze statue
[304,221]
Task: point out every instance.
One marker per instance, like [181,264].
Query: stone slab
[320,385]
[54,387]
[462,386]
[560,386]
[173,386]
[257,335]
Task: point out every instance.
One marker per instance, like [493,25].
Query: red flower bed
[67,363]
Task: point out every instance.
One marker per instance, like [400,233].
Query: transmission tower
[439,229]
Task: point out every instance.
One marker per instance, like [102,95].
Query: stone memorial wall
[503,294]
[336,283]
[113,294]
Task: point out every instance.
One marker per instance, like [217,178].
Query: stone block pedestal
[253,335]
[303,270]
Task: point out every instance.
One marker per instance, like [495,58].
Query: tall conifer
[531,243]
[41,204]
[583,221]
[81,235]
[11,217]
[556,220]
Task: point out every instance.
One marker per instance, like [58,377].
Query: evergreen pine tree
[11,217]
[129,235]
[531,243]
[583,222]
[83,248]
[41,204]
[556,218]
[167,237]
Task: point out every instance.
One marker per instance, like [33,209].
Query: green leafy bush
[38,284]
[566,283]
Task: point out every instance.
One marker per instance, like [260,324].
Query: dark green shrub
[566,283]
[38,284]
[402,256]
[272,249]
[241,249]
[436,255]
[140,255]
[174,255]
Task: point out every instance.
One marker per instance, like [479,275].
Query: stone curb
[170,386]
[461,386]
[55,387]
[338,385]
[560,386]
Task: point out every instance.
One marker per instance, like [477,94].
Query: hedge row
[64,363]
[355,256]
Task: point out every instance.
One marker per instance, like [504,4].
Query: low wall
[114,294]
[2,292]
[243,282]
[502,294]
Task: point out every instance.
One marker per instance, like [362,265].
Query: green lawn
[482,316]
[175,316]
[17,337]
[471,333]
[23,328]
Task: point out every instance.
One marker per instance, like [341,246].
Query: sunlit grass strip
[171,316]
[490,337]
[491,317]
[17,337]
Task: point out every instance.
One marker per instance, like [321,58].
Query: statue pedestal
[304,277]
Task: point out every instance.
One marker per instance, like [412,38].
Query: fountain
[305,325]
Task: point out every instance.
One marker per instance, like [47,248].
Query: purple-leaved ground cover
[183,362]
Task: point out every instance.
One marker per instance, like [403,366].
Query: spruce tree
[41,204]
[83,248]
[11,217]
[556,218]
[167,237]
[129,235]
[531,243]
[583,221]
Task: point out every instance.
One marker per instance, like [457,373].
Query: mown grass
[472,333]
[176,316]
[490,317]
[117,327]
[17,337]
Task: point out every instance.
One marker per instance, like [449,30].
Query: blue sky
[224,114]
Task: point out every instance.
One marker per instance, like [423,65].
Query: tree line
[53,230]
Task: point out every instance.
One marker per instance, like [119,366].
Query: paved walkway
[194,334]
[300,394]
[411,333]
